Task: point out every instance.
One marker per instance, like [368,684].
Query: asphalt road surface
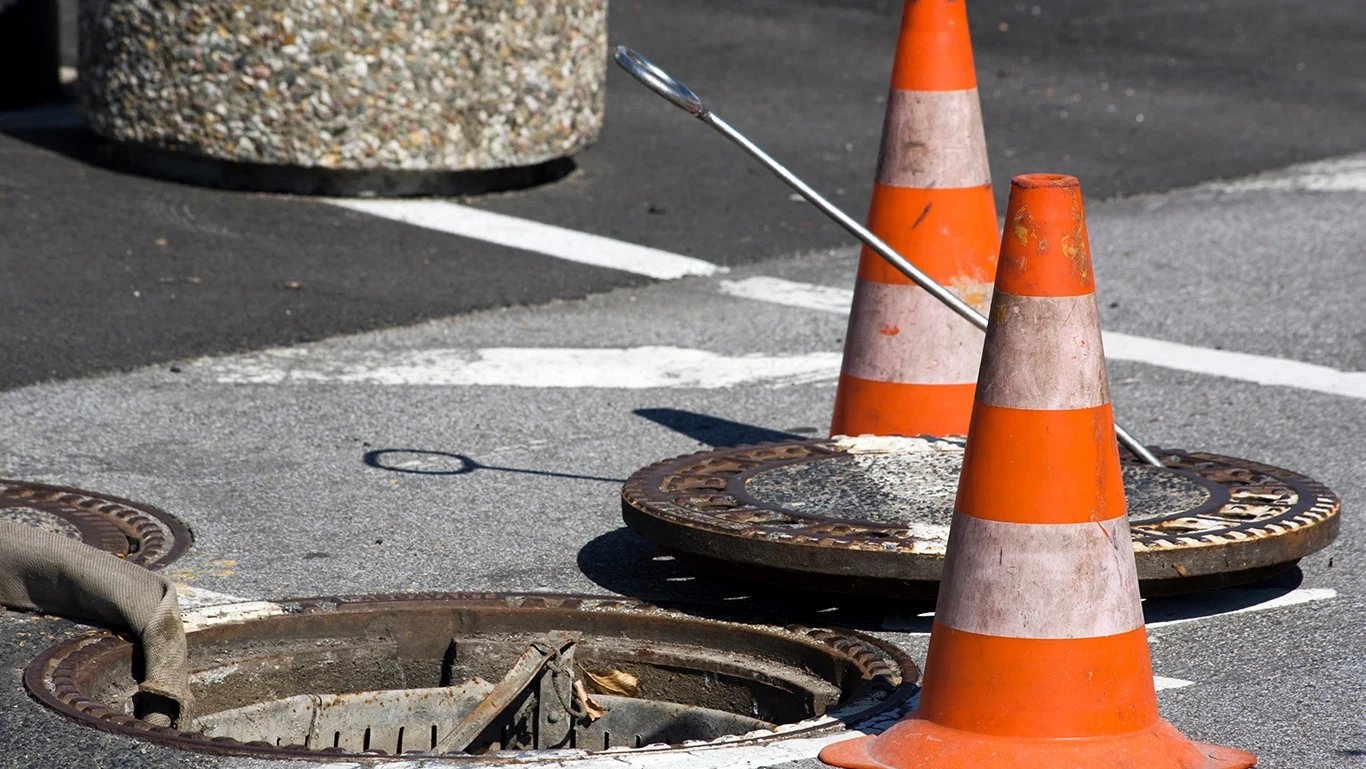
[233,358]
[1130,98]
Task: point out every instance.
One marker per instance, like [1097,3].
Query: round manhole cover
[469,677]
[133,531]
[871,515]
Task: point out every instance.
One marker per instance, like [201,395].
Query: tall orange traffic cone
[1038,654]
[910,362]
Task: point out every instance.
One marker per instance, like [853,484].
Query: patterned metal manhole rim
[134,531]
[61,675]
[1257,519]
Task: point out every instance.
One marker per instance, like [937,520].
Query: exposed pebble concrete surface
[343,84]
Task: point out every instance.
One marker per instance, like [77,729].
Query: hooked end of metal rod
[659,81]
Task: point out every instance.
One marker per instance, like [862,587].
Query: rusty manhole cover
[871,515]
[402,675]
[133,531]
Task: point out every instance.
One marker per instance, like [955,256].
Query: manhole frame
[50,680]
[112,522]
[839,555]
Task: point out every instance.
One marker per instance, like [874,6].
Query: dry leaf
[592,709]
[616,682]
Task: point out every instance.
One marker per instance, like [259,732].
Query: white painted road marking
[515,232]
[200,608]
[1245,367]
[195,620]
[1344,174]
[1336,175]
[1260,369]
[607,368]
[189,597]
[674,367]
[1176,610]
[1162,682]
[791,293]
[1163,612]
[1186,609]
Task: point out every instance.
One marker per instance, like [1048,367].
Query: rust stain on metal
[134,531]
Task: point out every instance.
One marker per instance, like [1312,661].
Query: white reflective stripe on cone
[1043,353]
[1031,580]
[933,140]
[899,333]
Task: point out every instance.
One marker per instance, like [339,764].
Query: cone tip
[1038,181]
[1045,249]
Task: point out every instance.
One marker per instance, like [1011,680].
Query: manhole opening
[466,676]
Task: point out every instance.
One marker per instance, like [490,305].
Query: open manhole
[871,515]
[133,531]
[464,676]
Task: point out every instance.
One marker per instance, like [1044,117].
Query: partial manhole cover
[424,673]
[133,531]
[871,515]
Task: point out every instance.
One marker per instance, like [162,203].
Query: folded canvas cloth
[46,572]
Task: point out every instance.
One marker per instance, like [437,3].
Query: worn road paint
[790,293]
[632,368]
[1175,611]
[196,597]
[1344,174]
[200,608]
[1162,682]
[208,616]
[1161,612]
[1259,369]
[515,232]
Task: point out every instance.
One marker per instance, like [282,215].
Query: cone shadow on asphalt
[717,432]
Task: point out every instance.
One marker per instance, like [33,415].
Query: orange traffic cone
[1038,654]
[910,362]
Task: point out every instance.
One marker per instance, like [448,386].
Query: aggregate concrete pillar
[346,96]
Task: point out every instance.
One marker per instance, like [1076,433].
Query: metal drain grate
[133,531]
[462,676]
[417,720]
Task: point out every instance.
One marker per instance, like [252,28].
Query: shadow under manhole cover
[472,676]
[131,530]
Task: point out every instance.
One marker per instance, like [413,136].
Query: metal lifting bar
[683,97]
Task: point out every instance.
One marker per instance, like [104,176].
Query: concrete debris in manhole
[870,515]
[136,532]
[467,677]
